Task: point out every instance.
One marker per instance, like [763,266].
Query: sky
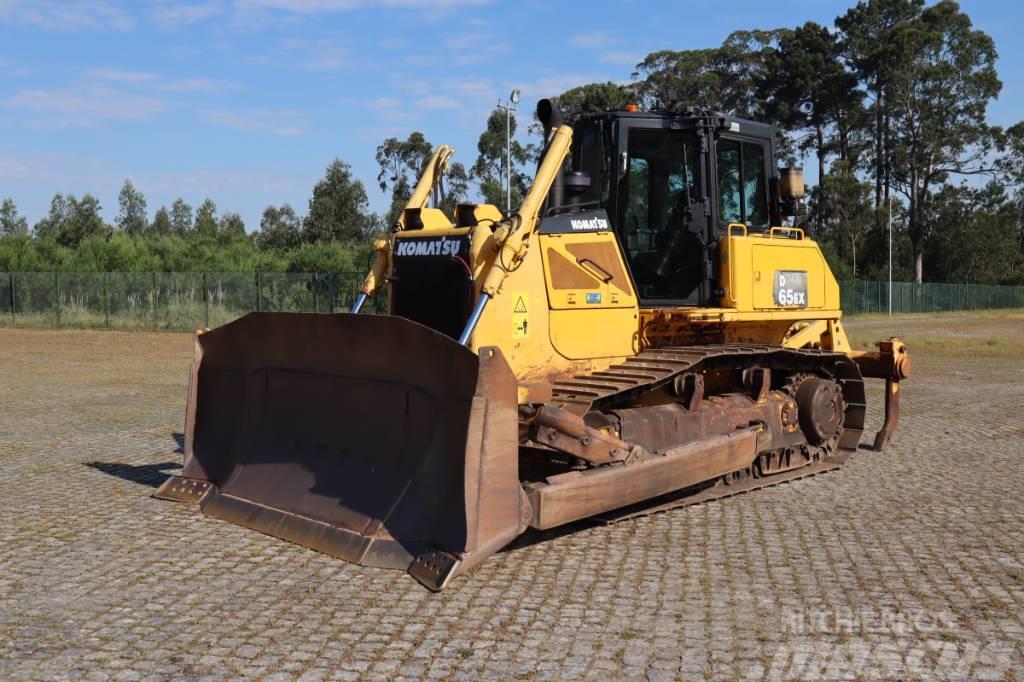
[248,101]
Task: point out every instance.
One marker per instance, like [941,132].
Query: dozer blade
[369,438]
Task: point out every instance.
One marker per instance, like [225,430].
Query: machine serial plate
[791,288]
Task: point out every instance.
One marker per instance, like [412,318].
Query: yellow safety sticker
[520,323]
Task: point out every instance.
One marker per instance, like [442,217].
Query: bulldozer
[652,328]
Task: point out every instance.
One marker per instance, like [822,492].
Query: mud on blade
[373,439]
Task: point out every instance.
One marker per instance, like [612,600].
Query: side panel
[593,309]
[753,266]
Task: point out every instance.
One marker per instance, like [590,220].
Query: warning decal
[520,323]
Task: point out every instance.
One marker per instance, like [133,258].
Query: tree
[83,221]
[723,78]
[161,223]
[50,226]
[206,219]
[337,209]
[454,187]
[181,217]
[131,216]
[489,169]
[843,211]
[280,228]
[593,98]
[11,224]
[231,226]
[975,237]
[401,163]
[873,43]
[938,106]
[807,89]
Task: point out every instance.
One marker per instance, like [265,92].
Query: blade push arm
[420,196]
[510,238]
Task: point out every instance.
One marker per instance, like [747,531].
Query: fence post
[316,293]
[206,303]
[56,291]
[331,284]
[156,295]
[259,292]
[14,320]
[106,299]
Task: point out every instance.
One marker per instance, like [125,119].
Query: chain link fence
[189,300]
[169,300]
[861,296]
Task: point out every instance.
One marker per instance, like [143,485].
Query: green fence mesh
[189,300]
[169,300]
[859,297]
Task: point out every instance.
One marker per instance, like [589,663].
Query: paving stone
[907,563]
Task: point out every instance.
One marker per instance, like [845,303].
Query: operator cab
[672,182]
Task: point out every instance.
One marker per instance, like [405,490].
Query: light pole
[509,106]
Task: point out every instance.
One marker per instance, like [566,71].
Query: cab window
[742,183]
[661,184]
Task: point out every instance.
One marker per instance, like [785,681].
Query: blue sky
[247,101]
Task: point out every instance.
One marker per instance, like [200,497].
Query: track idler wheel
[821,409]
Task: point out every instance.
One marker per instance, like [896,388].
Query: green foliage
[206,219]
[489,169]
[161,222]
[593,98]
[181,217]
[401,164]
[131,217]
[724,78]
[338,208]
[11,224]
[280,229]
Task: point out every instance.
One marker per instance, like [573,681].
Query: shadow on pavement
[152,475]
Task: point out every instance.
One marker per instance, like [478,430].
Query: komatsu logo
[589,224]
[428,247]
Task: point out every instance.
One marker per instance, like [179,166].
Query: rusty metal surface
[178,489]
[580,494]
[719,490]
[623,384]
[892,414]
[373,439]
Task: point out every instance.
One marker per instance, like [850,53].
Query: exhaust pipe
[550,117]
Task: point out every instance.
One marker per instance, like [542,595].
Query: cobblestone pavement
[904,564]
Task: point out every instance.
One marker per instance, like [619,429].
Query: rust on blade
[373,439]
[178,489]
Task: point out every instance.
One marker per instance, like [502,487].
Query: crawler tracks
[625,385]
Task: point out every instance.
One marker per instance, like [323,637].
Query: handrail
[772,231]
[739,225]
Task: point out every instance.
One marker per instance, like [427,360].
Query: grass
[963,334]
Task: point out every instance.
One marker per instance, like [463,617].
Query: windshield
[654,212]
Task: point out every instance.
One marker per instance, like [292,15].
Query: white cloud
[154,81]
[66,15]
[592,41]
[84,105]
[320,6]
[378,103]
[471,48]
[122,75]
[436,102]
[171,15]
[285,123]
[621,57]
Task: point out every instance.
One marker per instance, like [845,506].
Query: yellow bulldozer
[649,330]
